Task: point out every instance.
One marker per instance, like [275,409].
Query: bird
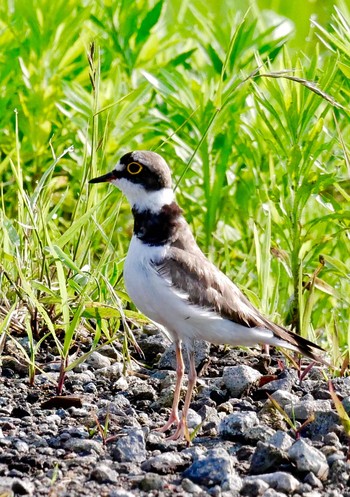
[172,282]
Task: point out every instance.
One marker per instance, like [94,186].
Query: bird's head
[145,179]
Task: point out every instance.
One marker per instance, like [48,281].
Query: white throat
[142,199]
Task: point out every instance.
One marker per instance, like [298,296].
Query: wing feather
[206,286]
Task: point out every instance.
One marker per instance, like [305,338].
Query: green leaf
[56,251]
[148,22]
[97,310]
[12,233]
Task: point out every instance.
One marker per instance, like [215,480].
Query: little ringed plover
[173,283]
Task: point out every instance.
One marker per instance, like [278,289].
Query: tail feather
[288,339]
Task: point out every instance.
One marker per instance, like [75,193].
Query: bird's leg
[180,370]
[182,428]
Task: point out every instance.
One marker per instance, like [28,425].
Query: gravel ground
[52,446]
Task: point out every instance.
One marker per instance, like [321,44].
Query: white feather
[142,199]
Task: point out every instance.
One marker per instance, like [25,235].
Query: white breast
[142,282]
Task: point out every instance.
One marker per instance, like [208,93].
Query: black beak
[106,177]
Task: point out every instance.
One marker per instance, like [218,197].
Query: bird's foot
[181,432]
[181,428]
[174,418]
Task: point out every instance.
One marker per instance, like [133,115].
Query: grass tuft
[255,131]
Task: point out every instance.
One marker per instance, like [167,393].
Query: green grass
[255,131]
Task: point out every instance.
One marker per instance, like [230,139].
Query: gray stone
[153,346]
[21,486]
[253,488]
[131,447]
[340,473]
[283,397]
[346,404]
[278,480]
[270,492]
[305,408]
[232,484]
[21,446]
[97,360]
[193,419]
[120,404]
[236,424]
[121,384]
[281,440]
[111,372]
[167,462]
[82,378]
[265,458]
[83,445]
[121,492]
[210,420]
[110,351]
[194,452]
[323,423]
[332,439]
[102,473]
[191,487]
[152,481]
[139,389]
[53,419]
[278,385]
[304,488]
[312,493]
[312,480]
[168,358]
[212,469]
[307,458]
[90,387]
[237,379]
[260,433]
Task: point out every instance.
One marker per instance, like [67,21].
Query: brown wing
[206,286]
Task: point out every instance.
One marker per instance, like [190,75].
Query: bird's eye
[134,168]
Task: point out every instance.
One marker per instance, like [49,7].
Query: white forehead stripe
[119,166]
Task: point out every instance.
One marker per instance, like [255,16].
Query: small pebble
[212,469]
[151,482]
[131,447]
[236,424]
[237,379]
[191,487]
[98,361]
[168,462]
[307,458]
[103,473]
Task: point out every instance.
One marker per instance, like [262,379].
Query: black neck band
[157,228]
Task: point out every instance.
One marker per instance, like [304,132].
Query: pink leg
[180,369]
[266,349]
[182,428]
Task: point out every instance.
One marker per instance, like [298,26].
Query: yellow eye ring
[134,168]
